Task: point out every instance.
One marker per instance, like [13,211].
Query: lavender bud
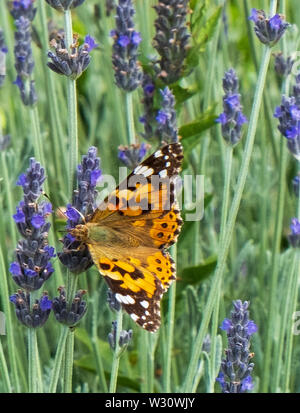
[288,115]
[73,63]
[62,5]
[294,237]
[268,30]
[3,51]
[296,185]
[232,118]
[132,155]
[24,63]
[22,8]
[234,376]
[283,67]
[31,317]
[148,118]
[65,315]
[128,74]
[124,339]
[171,38]
[84,200]
[167,130]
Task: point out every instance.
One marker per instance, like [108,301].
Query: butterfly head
[80,232]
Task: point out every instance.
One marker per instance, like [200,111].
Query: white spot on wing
[157,154]
[144,304]
[134,317]
[163,173]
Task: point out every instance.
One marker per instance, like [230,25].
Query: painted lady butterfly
[129,233]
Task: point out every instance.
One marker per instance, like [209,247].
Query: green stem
[37,138]
[11,343]
[68,362]
[273,305]
[97,354]
[58,137]
[129,118]
[225,244]
[72,108]
[32,361]
[117,354]
[4,371]
[58,359]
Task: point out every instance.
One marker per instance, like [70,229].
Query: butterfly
[130,231]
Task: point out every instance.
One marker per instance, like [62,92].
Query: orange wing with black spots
[129,232]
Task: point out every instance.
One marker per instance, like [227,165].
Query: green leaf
[182,94]
[82,335]
[205,32]
[197,126]
[196,274]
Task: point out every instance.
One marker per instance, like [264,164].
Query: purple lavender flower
[31,317]
[167,130]
[124,339]
[283,67]
[288,115]
[128,74]
[148,118]
[296,185]
[62,5]
[22,8]
[171,38]
[268,30]
[294,237]
[33,254]
[74,62]
[83,203]
[65,315]
[232,118]
[3,51]
[132,155]
[234,376]
[24,62]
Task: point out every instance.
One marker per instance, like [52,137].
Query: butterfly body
[128,234]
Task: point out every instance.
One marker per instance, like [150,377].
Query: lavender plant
[288,115]
[236,368]
[171,38]
[232,119]
[128,74]
[76,259]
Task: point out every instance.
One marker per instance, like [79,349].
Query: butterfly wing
[138,280]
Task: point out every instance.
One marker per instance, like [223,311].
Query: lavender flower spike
[283,67]
[268,30]
[33,254]
[171,38]
[232,118]
[167,130]
[294,237]
[67,316]
[124,339]
[132,155]
[3,51]
[84,201]
[235,374]
[31,317]
[128,74]
[288,114]
[24,63]
[22,8]
[74,62]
